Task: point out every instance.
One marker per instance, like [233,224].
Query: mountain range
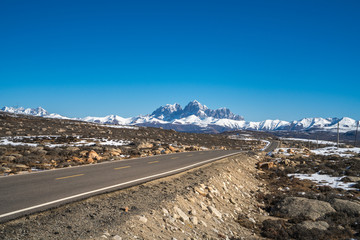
[195,117]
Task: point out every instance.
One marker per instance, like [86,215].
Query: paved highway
[272,146]
[29,193]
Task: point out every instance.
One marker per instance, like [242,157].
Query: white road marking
[113,186]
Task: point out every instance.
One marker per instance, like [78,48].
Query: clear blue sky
[262,59]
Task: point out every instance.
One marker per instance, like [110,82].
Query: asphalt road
[273,145]
[29,193]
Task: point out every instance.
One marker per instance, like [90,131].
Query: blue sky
[262,59]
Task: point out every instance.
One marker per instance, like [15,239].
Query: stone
[203,206]
[308,225]
[115,154]
[194,220]
[346,206]
[84,153]
[165,212]
[5,169]
[214,211]
[182,215]
[73,149]
[117,237]
[353,179]
[192,212]
[143,219]
[145,145]
[76,159]
[200,191]
[203,223]
[9,158]
[266,165]
[21,166]
[171,148]
[303,207]
[92,154]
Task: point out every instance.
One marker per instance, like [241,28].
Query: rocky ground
[33,143]
[311,196]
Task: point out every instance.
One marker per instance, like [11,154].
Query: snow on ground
[82,143]
[325,180]
[119,126]
[342,152]
[310,140]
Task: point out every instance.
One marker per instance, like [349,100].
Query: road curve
[28,193]
[272,146]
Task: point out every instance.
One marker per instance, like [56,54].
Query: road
[29,193]
[273,145]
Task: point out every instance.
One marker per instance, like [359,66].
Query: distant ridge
[195,117]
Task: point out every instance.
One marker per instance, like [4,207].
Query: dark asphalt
[273,145]
[29,193]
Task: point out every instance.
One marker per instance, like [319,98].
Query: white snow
[82,143]
[310,140]
[342,152]
[325,180]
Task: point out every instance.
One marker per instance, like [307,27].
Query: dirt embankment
[215,201]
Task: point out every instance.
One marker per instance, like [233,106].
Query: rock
[165,212]
[84,153]
[90,160]
[145,145]
[117,237]
[192,212]
[171,148]
[194,220]
[5,169]
[143,219]
[22,166]
[92,154]
[203,223]
[73,149]
[346,206]
[266,165]
[309,208]
[61,130]
[353,179]
[104,237]
[182,215]
[9,158]
[308,225]
[200,191]
[115,154]
[214,211]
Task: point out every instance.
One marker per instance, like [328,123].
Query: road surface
[272,146]
[29,193]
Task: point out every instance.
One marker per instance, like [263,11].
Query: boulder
[92,154]
[349,207]
[145,145]
[308,225]
[265,165]
[303,207]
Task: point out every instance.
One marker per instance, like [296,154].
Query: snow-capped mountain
[172,112]
[38,112]
[195,117]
